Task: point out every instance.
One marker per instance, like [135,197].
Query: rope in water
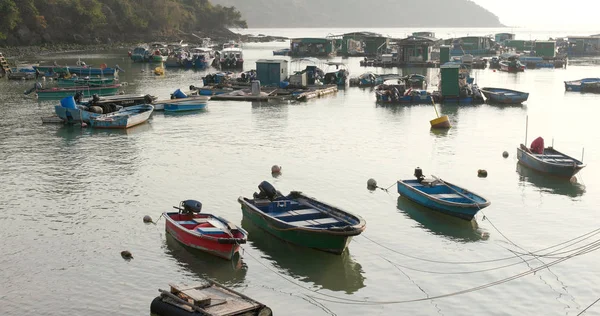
[583,311]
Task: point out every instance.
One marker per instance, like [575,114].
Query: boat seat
[209,230]
[299,215]
[187,223]
[447,196]
[325,222]
[200,220]
[300,223]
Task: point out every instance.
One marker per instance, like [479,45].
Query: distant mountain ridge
[363,13]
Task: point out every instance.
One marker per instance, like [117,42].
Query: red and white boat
[206,232]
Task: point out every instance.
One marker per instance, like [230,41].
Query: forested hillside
[361,13]
[32,22]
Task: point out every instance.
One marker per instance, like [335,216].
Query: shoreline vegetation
[29,27]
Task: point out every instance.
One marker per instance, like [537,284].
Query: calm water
[73,199]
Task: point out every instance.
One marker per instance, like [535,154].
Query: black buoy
[482,173]
[126,255]
[371,184]
[147,219]
[276,169]
[419,174]
[505,154]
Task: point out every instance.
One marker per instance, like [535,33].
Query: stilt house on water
[312,47]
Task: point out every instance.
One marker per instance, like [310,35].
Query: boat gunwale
[357,229]
[450,203]
[580,165]
[206,236]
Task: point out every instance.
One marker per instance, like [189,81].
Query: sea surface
[73,198]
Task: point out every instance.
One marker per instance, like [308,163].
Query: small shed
[449,75]
[270,72]
[312,47]
[545,48]
[416,49]
[444,54]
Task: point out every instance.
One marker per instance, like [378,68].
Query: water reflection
[205,265]
[332,272]
[440,224]
[549,184]
[439,132]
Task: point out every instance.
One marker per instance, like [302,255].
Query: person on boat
[537,146]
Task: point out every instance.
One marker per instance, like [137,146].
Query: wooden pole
[435,108]
[526,127]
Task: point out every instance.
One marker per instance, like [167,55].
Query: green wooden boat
[87,91]
[302,220]
[78,82]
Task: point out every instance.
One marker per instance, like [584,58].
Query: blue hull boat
[504,96]
[551,162]
[184,106]
[443,197]
[576,85]
[128,117]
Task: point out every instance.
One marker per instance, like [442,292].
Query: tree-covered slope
[38,21]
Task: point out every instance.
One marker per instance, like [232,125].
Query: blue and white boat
[576,85]
[187,104]
[125,118]
[442,196]
[504,96]
[550,161]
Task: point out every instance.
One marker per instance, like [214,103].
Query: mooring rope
[583,311]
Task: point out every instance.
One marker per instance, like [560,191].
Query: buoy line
[342,300]
[594,232]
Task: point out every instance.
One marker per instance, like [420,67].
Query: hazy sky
[557,14]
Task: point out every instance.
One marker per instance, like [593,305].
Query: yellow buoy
[440,122]
[159,71]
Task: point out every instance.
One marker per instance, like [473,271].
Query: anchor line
[583,311]
[341,300]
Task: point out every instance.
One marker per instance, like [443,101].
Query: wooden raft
[212,299]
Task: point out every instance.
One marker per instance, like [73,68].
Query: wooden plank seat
[447,196]
[300,215]
[187,222]
[209,230]
[200,220]
[321,222]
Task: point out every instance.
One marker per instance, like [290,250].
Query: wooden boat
[212,299]
[442,196]
[512,66]
[302,220]
[551,162]
[79,70]
[577,85]
[85,81]
[86,91]
[125,118]
[231,57]
[82,111]
[206,232]
[504,96]
[186,104]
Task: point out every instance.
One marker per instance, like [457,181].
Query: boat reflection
[549,184]
[205,265]
[450,227]
[331,272]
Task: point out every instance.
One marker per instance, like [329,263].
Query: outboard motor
[267,191]
[190,207]
[78,96]
[419,174]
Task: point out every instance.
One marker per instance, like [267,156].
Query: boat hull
[59,93]
[123,119]
[554,169]
[504,96]
[465,211]
[196,241]
[183,106]
[321,241]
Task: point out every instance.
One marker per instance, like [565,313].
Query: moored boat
[302,220]
[84,81]
[187,104]
[206,232]
[577,85]
[212,299]
[336,74]
[442,196]
[231,57]
[395,92]
[125,118]
[548,160]
[281,52]
[504,96]
[86,91]
[512,66]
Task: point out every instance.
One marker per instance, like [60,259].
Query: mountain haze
[363,13]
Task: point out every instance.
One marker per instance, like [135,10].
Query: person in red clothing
[537,146]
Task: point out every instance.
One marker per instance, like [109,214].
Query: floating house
[360,43]
[270,72]
[474,45]
[457,86]
[312,47]
[545,49]
[415,49]
[520,45]
[501,38]
[583,45]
